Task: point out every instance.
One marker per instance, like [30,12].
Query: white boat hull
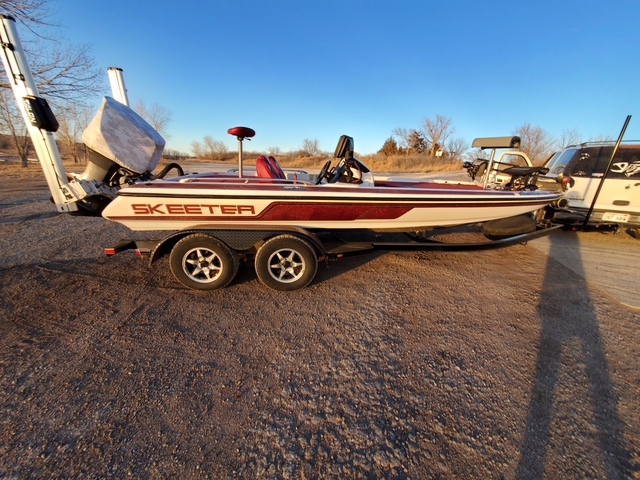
[205,204]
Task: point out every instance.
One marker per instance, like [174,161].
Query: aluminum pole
[23,85]
[606,172]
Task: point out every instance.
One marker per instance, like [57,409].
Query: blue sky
[319,69]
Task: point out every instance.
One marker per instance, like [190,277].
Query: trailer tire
[202,262]
[286,263]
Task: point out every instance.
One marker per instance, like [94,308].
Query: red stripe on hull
[331,211]
[339,212]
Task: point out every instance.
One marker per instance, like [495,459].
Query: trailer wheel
[286,262]
[202,262]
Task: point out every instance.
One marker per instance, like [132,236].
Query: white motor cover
[121,135]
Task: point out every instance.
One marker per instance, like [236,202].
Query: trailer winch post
[25,90]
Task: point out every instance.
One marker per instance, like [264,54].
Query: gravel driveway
[503,364]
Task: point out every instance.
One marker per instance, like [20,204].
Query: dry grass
[410,163]
[378,163]
[34,167]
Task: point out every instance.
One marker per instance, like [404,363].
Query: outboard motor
[123,147]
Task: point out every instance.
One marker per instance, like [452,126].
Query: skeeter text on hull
[205,201]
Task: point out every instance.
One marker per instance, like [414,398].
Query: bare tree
[456,147]
[403,134]
[536,142]
[310,147]
[65,75]
[569,137]
[600,138]
[214,149]
[197,149]
[208,146]
[29,12]
[73,119]
[475,154]
[219,148]
[157,116]
[436,132]
[274,150]
[173,154]
[12,123]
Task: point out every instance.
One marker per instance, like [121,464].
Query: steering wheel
[337,172]
[323,173]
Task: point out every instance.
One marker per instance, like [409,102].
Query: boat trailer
[287,258]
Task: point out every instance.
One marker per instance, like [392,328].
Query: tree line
[434,138]
[211,149]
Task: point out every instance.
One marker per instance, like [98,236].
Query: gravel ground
[503,364]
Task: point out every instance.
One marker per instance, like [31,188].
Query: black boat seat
[524,171]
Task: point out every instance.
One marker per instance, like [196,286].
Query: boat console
[348,165]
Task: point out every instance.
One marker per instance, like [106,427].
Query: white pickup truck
[582,167]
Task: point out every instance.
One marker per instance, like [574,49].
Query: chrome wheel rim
[286,265]
[202,265]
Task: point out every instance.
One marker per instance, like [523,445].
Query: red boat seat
[265,168]
[276,167]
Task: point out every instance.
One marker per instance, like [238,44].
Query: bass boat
[210,200]
[345,196]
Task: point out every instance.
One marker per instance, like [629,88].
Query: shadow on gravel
[26,218]
[570,340]
[342,266]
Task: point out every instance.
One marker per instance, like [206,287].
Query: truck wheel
[202,262]
[286,262]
